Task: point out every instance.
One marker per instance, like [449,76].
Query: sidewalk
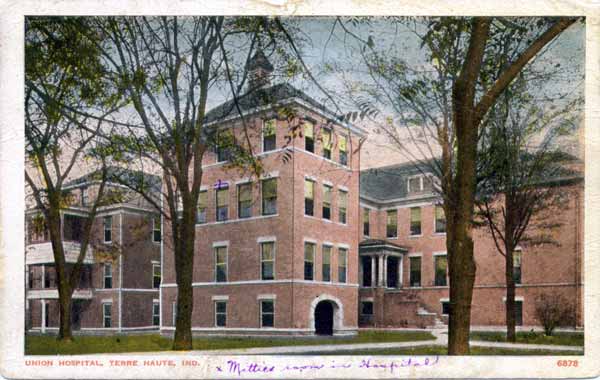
[441,336]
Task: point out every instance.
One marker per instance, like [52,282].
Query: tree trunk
[184,265]
[64,303]
[511,335]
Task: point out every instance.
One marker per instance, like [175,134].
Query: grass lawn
[558,338]
[48,345]
[442,350]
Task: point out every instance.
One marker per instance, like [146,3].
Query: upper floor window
[309,197]
[156,276]
[326,202]
[415,271]
[517,256]
[267,260]
[440,220]
[441,266]
[392,224]
[326,140]
[342,264]
[420,183]
[245,200]
[222,204]
[309,259]
[309,137]
[343,206]
[366,226]
[343,146]
[269,196]
[108,229]
[202,207]
[224,144]
[326,263]
[84,196]
[156,230]
[415,221]
[221,264]
[269,135]
[108,276]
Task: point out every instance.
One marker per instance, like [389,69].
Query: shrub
[554,310]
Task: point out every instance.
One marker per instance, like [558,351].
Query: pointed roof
[259,60]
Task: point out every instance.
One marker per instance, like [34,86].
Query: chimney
[259,71]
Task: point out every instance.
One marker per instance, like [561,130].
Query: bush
[554,310]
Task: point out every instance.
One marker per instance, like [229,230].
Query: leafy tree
[442,107]
[62,67]
[523,175]
[165,67]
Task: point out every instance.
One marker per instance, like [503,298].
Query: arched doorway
[324,318]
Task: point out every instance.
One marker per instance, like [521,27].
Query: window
[221,264]
[222,204]
[245,200]
[342,206]
[267,313]
[107,314]
[343,146]
[108,276]
[415,271]
[415,221]
[441,266]
[267,260]
[427,183]
[392,224]
[309,137]
[440,220]
[156,276]
[445,307]
[326,263]
[269,136]
[84,196]
[156,230]
[366,308]
[414,184]
[220,313]
[326,140]
[202,206]
[519,313]
[517,266]
[309,197]
[366,226]
[342,264]
[326,202]
[309,259]
[108,229]
[224,143]
[269,196]
[155,314]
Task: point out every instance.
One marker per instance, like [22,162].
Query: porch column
[385,265]
[380,274]
[373,276]
[400,271]
[43,316]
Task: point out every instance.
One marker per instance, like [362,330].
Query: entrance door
[324,318]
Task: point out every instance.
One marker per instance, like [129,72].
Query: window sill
[237,220]
[415,236]
[439,234]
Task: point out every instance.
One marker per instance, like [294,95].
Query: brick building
[314,245]
[119,285]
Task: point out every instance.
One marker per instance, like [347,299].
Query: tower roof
[260,61]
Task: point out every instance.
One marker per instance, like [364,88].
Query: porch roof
[374,245]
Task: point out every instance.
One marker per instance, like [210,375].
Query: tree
[471,61]
[61,67]
[554,310]
[165,67]
[523,181]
